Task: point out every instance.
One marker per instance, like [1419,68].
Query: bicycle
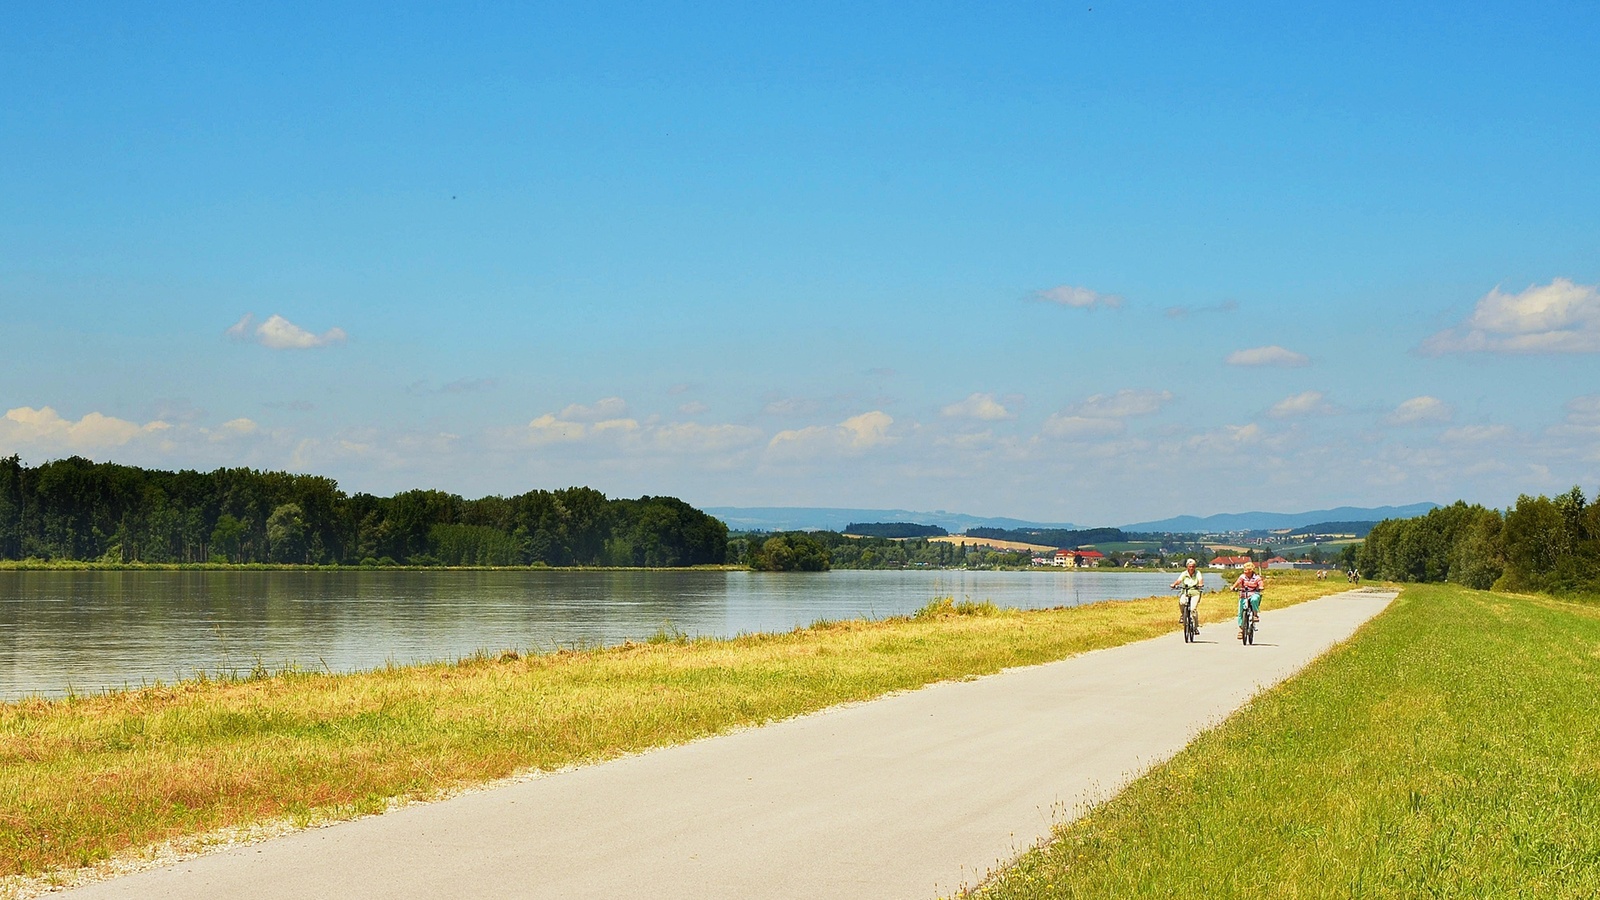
[1191,619]
[1247,630]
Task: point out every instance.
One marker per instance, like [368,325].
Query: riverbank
[1449,750]
[85,779]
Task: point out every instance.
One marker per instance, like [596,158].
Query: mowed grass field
[85,779]
[1451,749]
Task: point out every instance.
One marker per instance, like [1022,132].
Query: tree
[791,553]
[286,533]
[226,537]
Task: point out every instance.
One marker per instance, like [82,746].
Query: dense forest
[1053,537]
[822,550]
[75,509]
[1540,544]
[894,530]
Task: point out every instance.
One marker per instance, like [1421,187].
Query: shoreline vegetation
[1449,749]
[99,780]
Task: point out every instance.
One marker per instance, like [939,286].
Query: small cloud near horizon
[1271,355]
[850,437]
[983,407]
[1422,410]
[1123,404]
[1077,297]
[278,333]
[1305,403]
[603,409]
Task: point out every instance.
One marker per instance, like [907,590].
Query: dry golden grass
[961,540]
[85,779]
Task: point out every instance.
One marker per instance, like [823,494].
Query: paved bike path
[910,796]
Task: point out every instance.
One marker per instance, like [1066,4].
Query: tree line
[1054,537]
[1539,544]
[76,509]
[815,551]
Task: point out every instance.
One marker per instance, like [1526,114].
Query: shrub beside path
[914,795]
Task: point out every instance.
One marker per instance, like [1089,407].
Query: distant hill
[825,518]
[894,530]
[1359,529]
[1055,537]
[1256,521]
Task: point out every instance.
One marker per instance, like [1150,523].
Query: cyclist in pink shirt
[1249,585]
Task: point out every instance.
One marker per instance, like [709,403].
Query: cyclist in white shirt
[1193,582]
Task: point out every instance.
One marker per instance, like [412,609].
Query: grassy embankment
[1452,749]
[86,778]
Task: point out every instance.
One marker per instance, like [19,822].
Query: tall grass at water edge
[90,777]
[1451,749]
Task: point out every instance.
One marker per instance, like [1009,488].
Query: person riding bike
[1249,585]
[1193,583]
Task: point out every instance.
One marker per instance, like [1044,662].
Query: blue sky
[1063,263]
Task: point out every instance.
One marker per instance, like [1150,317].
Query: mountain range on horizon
[826,518]
[830,518]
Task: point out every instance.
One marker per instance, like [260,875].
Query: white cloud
[551,429]
[1078,297]
[606,408]
[693,408]
[691,437]
[1302,404]
[1559,317]
[1584,410]
[1272,355]
[578,424]
[852,436]
[790,406]
[1124,403]
[46,429]
[1422,410]
[233,428]
[278,333]
[1230,442]
[1082,427]
[1477,434]
[978,406]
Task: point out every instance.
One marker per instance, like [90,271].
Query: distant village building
[1071,559]
[1275,561]
[1229,562]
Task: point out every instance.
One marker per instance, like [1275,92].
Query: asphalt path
[913,795]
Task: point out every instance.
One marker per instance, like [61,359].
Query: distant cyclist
[1193,583]
[1249,585]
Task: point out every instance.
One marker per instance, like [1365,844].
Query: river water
[84,632]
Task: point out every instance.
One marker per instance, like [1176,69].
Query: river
[85,632]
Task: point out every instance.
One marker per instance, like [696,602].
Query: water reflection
[89,631]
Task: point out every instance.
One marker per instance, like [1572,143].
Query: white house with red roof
[1229,562]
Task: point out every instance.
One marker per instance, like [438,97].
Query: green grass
[1451,749]
[87,778]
